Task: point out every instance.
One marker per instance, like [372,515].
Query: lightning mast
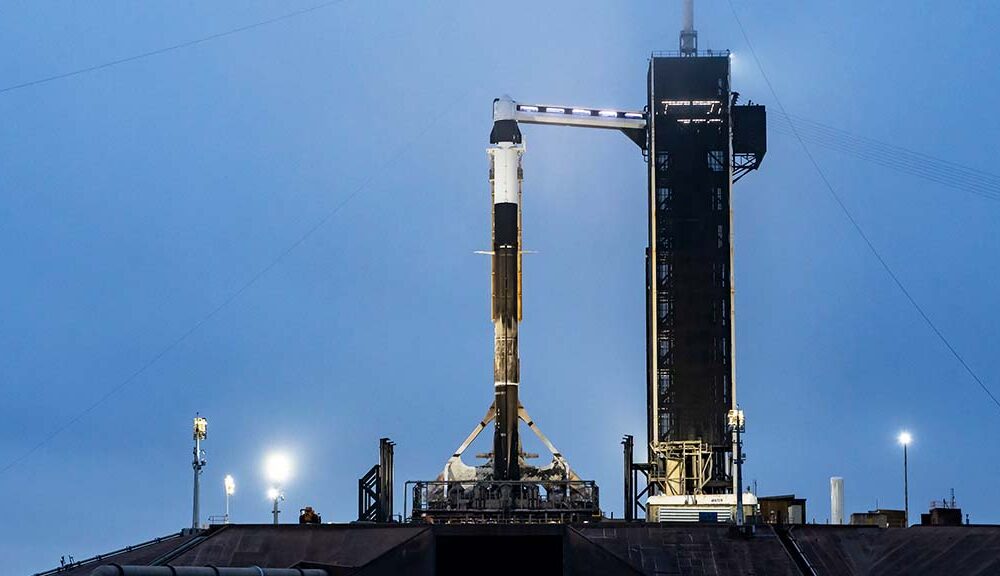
[689,36]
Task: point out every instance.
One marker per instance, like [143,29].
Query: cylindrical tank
[836,500]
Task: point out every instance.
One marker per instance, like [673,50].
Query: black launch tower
[699,142]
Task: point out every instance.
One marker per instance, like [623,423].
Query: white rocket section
[506,158]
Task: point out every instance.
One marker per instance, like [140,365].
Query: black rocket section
[506,369]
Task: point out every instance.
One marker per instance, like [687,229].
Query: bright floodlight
[278,467]
[230,484]
[200,428]
[273,493]
[905,438]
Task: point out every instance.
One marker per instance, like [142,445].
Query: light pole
[737,425]
[275,495]
[230,485]
[200,433]
[905,438]
[278,468]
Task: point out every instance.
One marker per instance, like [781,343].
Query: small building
[784,509]
[706,508]
[942,514]
[880,517]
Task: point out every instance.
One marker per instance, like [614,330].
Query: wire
[854,223]
[372,175]
[896,158]
[171,48]
[895,164]
[876,144]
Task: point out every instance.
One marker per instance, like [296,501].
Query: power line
[171,48]
[372,175]
[854,223]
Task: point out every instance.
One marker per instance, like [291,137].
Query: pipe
[629,487]
[118,570]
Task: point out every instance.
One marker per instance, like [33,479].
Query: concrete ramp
[342,548]
[691,549]
[603,548]
[915,551]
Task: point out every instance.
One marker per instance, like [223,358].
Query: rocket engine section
[505,183]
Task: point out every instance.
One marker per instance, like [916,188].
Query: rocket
[505,154]
[505,182]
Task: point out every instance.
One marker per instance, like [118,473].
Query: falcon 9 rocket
[505,180]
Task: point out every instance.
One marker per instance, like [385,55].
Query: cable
[900,159]
[959,178]
[372,175]
[973,173]
[895,164]
[166,49]
[854,222]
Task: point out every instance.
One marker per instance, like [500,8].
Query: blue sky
[134,200]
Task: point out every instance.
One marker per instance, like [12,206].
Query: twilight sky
[135,200]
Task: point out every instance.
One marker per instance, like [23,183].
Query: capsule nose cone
[504,124]
[503,108]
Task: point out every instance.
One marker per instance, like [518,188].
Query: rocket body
[505,180]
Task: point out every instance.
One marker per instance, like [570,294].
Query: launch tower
[700,141]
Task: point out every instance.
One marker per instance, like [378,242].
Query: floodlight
[230,484]
[905,438]
[736,421]
[278,468]
[200,428]
[273,493]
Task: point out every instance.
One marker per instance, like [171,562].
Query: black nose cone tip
[505,131]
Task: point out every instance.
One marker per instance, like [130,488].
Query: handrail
[100,557]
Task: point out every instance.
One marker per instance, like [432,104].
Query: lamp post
[230,485]
[737,426]
[905,438]
[200,432]
[275,496]
[278,468]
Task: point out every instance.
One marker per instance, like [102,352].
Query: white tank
[836,500]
